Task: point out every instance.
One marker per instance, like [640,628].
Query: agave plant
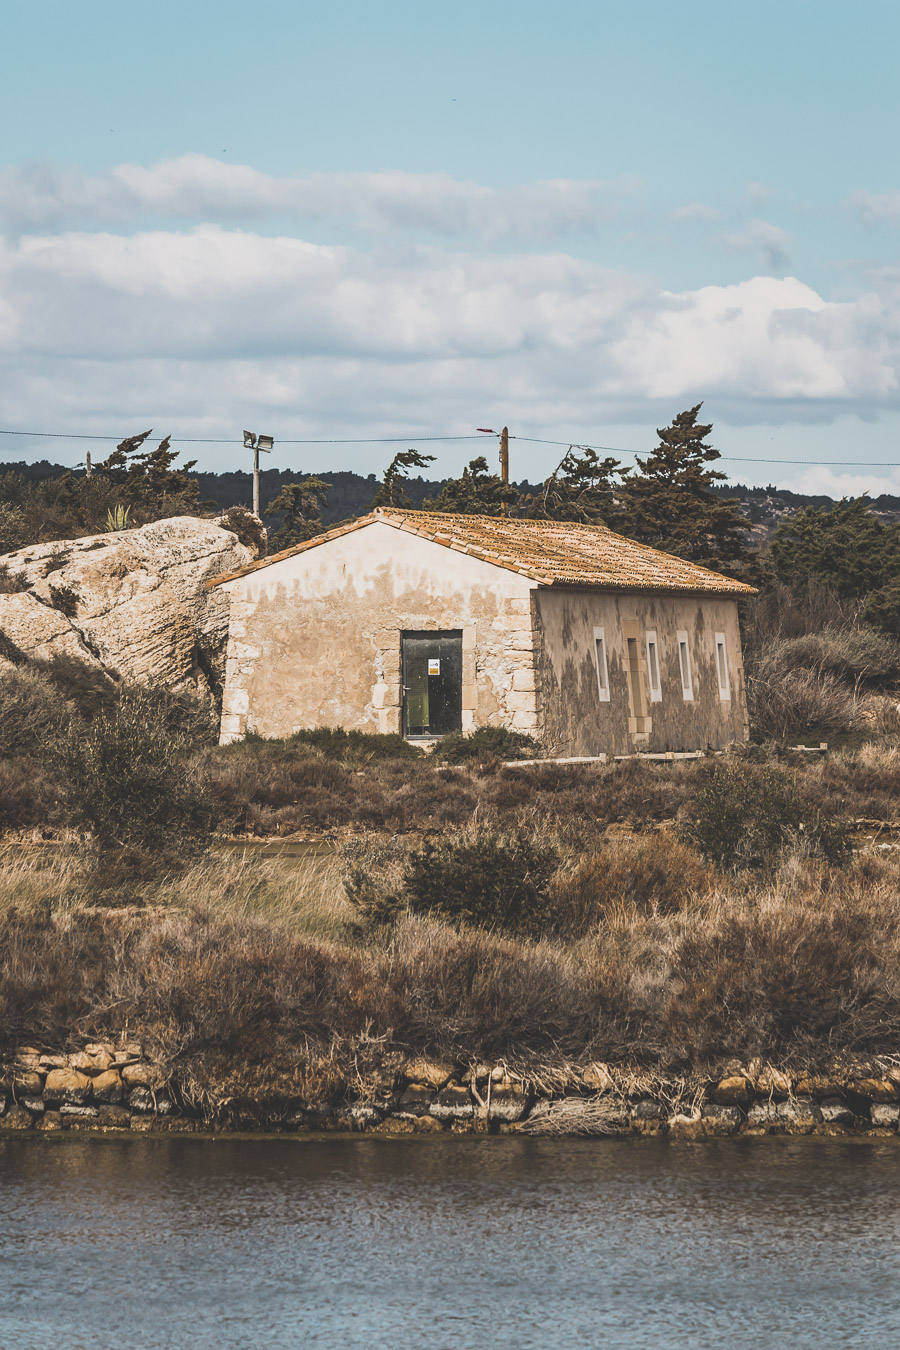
[117,518]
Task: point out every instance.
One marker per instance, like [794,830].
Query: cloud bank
[204,329]
[198,188]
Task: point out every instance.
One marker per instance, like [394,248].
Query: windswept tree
[582,487]
[391,490]
[300,506]
[477,492]
[669,503]
[149,481]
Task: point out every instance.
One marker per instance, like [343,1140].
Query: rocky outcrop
[134,603]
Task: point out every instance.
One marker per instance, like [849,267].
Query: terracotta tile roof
[553,553]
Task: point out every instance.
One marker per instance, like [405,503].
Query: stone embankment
[116,1087]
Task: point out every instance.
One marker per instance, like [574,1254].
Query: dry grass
[246,973]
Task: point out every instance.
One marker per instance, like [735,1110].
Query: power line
[404,440]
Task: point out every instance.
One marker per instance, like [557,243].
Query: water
[453,1242]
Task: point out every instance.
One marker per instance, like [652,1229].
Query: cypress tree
[669,504]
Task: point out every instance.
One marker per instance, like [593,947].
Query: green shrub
[87,688]
[11,583]
[34,715]
[336,743]
[496,742]
[746,814]
[249,530]
[128,781]
[489,880]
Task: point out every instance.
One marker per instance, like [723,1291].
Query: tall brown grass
[247,968]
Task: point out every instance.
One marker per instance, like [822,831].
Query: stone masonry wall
[117,1087]
[315,639]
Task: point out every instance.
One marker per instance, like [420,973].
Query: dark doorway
[432,683]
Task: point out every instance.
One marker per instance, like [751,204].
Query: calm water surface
[448,1243]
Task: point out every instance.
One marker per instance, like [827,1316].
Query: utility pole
[504,460]
[257,443]
[88,469]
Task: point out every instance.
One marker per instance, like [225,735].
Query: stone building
[421,623]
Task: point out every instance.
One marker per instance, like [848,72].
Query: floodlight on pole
[257,443]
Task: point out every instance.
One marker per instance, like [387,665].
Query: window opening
[684,662]
[722,667]
[653,667]
[602,666]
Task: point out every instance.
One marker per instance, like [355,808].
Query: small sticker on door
[434,665]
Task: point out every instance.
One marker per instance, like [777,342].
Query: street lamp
[257,443]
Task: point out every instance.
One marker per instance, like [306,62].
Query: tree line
[671,500]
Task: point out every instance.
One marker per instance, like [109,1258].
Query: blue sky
[409,220]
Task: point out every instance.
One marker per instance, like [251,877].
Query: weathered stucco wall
[314,639]
[574,720]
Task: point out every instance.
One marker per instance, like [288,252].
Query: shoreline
[109,1089]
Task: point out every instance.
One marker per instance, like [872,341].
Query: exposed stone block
[67,1086]
[524,680]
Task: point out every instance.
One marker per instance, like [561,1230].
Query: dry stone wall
[118,1087]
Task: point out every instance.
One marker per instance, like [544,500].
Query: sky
[359,222]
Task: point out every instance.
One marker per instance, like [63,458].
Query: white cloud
[197,332]
[198,188]
[696,211]
[876,207]
[769,241]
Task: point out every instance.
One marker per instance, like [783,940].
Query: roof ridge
[559,552]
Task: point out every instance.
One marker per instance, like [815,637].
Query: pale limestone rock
[142,1075]
[92,1061]
[67,1086]
[876,1089]
[509,1101]
[134,602]
[733,1090]
[453,1103]
[33,1104]
[429,1072]
[141,1099]
[108,1088]
[884,1113]
[32,628]
[837,1112]
[54,1061]
[26,1081]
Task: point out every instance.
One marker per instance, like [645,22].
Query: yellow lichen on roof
[550,552]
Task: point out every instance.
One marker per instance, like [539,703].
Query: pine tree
[391,491]
[669,504]
[476,493]
[301,505]
[148,480]
[580,488]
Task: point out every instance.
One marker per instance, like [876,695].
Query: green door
[432,684]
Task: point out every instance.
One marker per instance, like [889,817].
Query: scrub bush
[336,743]
[746,814]
[498,742]
[34,716]
[128,781]
[484,879]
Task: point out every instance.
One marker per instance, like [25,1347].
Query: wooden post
[87,464]
[504,459]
